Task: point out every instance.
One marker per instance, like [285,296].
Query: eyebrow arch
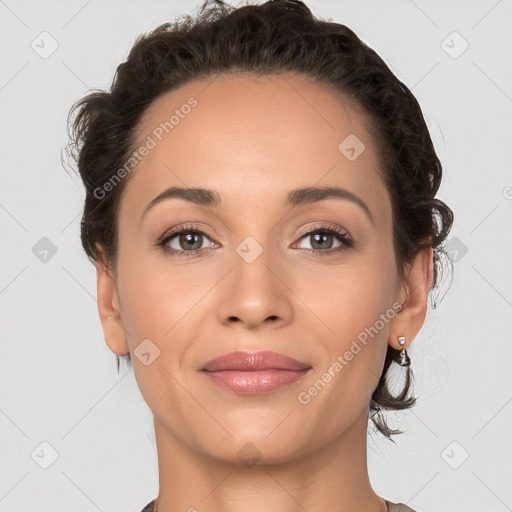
[313,194]
[297,197]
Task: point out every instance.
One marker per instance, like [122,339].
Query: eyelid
[343,236]
[324,226]
[183,228]
[186,227]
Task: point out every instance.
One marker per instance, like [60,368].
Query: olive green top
[398,507]
[392,507]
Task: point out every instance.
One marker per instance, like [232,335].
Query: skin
[253,140]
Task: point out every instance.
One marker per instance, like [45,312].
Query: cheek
[159,298]
[149,296]
[358,308]
[351,296]
[155,303]
[358,312]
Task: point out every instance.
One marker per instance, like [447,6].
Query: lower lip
[255,382]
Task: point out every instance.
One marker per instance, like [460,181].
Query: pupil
[320,237]
[189,238]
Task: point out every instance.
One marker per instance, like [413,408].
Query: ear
[413,295]
[110,311]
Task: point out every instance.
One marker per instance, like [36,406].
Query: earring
[403,359]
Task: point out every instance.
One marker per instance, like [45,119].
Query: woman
[260,208]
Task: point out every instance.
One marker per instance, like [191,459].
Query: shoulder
[392,507]
[398,507]
[149,506]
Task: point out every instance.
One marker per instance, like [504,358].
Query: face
[264,268]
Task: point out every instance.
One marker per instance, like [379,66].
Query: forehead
[249,136]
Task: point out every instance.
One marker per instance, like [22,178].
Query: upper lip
[265,360]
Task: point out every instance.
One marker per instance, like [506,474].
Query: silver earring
[403,359]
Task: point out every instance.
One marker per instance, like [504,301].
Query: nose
[256,293]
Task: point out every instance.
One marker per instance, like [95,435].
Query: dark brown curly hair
[275,37]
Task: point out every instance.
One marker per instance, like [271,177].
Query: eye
[322,239]
[190,240]
[185,241]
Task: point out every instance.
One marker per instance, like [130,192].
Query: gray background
[58,383]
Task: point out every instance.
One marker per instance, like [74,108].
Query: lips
[253,361]
[256,373]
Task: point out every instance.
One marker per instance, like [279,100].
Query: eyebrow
[297,197]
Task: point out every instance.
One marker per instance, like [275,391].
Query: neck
[333,477]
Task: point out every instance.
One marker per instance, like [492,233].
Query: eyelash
[343,237]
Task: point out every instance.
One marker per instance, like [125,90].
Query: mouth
[254,373]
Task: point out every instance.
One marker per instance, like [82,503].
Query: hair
[275,37]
